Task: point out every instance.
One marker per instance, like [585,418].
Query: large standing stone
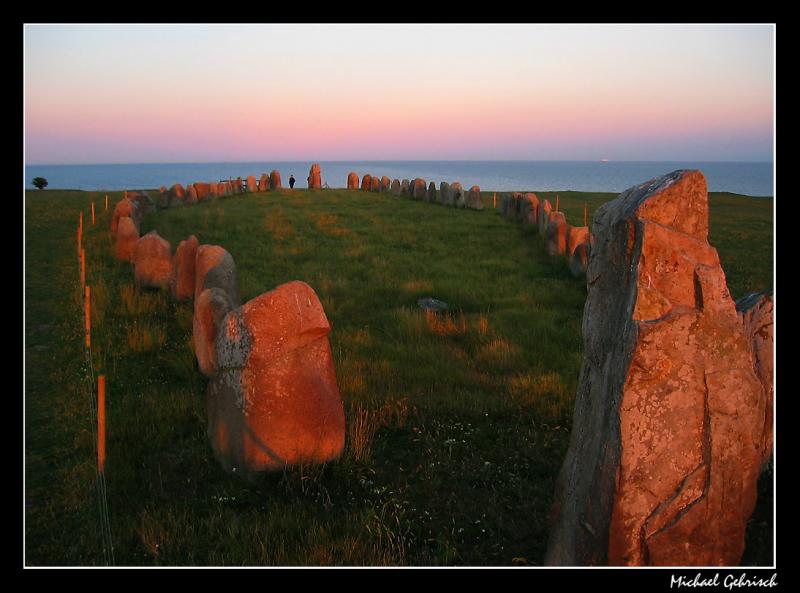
[756,314]
[512,206]
[251,183]
[125,207]
[274,401]
[664,454]
[556,239]
[418,189]
[529,209]
[385,183]
[404,187]
[210,309]
[396,187]
[126,238]
[203,191]
[575,236]
[152,261]
[239,188]
[191,195]
[315,177]
[352,180]
[579,260]
[445,195]
[143,200]
[431,197]
[457,195]
[215,268]
[275,179]
[544,218]
[366,182]
[177,192]
[263,182]
[473,199]
[375,183]
[182,282]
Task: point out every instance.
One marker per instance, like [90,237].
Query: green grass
[456,426]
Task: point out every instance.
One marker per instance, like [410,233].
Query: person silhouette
[291,181]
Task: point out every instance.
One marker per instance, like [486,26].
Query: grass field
[457,426]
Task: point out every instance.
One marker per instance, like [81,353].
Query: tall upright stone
[445,195]
[182,280]
[664,454]
[352,180]
[375,184]
[418,189]
[473,199]
[457,196]
[385,183]
[396,187]
[431,193]
[275,179]
[251,184]
[263,182]
[544,218]
[529,209]
[315,177]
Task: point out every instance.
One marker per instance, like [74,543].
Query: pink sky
[98,94]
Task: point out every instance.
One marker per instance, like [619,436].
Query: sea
[748,178]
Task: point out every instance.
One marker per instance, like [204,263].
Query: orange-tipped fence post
[556,202]
[106,201]
[494,200]
[88,315]
[93,213]
[101,423]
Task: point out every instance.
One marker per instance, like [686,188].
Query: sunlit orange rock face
[203,191]
[556,239]
[191,195]
[579,260]
[275,179]
[315,177]
[756,314]
[473,198]
[126,238]
[274,401]
[152,261]
[395,187]
[215,268]
[263,182]
[431,196]
[575,236]
[183,280]
[529,209]
[352,180]
[544,217]
[366,182]
[665,451]
[125,207]
[178,192]
[375,184]
[251,183]
[419,189]
[385,183]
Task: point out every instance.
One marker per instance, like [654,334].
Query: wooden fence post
[88,320]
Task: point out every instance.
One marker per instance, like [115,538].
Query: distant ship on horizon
[603,160]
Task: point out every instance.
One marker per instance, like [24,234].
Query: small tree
[40,182]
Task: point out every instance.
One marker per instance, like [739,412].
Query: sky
[220,93]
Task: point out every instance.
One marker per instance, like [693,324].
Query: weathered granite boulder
[431,197]
[366,182]
[418,189]
[404,186]
[556,239]
[544,218]
[275,179]
[457,195]
[385,183]
[210,309]
[315,177]
[143,200]
[473,199]
[215,268]
[575,235]
[238,188]
[182,283]
[251,184]
[126,237]
[274,401]
[529,209]
[445,195]
[756,315]
[396,187]
[664,454]
[152,261]
[203,190]
[191,195]
[511,208]
[125,207]
[375,184]
[177,192]
[579,260]
[263,182]
[352,180]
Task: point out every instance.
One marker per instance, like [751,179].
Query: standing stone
[251,183]
[215,268]
[404,187]
[352,180]
[183,280]
[142,200]
[263,182]
[756,315]
[512,207]
[152,261]
[575,236]
[579,261]
[418,189]
[274,401]
[275,179]
[239,188]
[125,207]
[315,177]
[177,192]
[203,190]
[431,193]
[210,309]
[191,195]
[556,238]
[473,198]
[445,196]
[544,218]
[127,236]
[457,195]
[366,182]
[529,209]
[664,454]
[375,184]
[385,183]
[396,187]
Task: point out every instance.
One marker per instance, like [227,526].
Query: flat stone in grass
[152,261]
[432,304]
[274,401]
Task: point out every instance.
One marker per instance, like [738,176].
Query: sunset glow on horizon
[197,93]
